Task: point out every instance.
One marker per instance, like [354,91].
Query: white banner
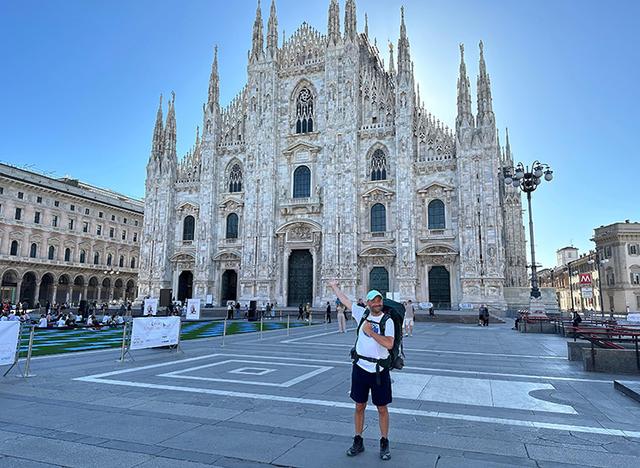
[193,309]
[209,298]
[9,333]
[150,332]
[151,306]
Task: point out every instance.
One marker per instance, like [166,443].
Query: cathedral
[328,166]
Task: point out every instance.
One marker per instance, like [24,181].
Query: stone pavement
[469,397]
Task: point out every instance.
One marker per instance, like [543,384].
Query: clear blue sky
[81,80]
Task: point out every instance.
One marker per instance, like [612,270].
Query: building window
[611,280]
[633,249]
[235,179]
[36,217]
[72,207]
[378,218]
[135,223]
[121,261]
[1,190]
[100,214]
[18,214]
[33,251]
[54,221]
[96,258]
[304,111]
[109,259]
[135,237]
[86,211]
[99,229]
[52,252]
[14,248]
[124,234]
[71,221]
[56,203]
[85,226]
[38,199]
[378,165]
[436,214]
[607,252]
[302,182]
[20,196]
[67,255]
[133,262]
[124,220]
[188,228]
[113,217]
[232,226]
[638,302]
[112,232]
[635,277]
[83,256]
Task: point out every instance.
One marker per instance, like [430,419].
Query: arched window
[302,182]
[378,218]
[133,262]
[109,259]
[235,179]
[304,111]
[436,214]
[33,251]
[14,248]
[121,262]
[83,256]
[67,255]
[378,165]
[52,252]
[232,226]
[188,228]
[96,258]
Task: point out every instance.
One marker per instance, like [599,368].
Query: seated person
[61,322]
[106,319]
[118,320]
[42,323]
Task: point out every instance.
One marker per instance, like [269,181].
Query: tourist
[409,316]
[576,319]
[300,312]
[237,309]
[42,323]
[62,322]
[307,312]
[364,378]
[118,320]
[342,319]
[328,315]
[229,311]
[273,311]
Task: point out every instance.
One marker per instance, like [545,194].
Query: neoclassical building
[328,165]
[62,240]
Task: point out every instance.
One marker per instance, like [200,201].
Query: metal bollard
[224,332]
[29,352]
[288,319]
[124,341]
[260,326]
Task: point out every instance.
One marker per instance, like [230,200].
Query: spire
[333,26]
[272,31]
[170,131]
[392,69]
[404,56]
[257,42]
[465,117]
[418,103]
[507,150]
[485,108]
[366,25]
[157,145]
[214,86]
[350,29]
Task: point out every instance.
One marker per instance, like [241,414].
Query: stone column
[99,289]
[84,291]
[55,293]
[18,290]
[36,298]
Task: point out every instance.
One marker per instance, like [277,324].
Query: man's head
[374,301]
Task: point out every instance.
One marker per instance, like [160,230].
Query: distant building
[566,255]
[62,240]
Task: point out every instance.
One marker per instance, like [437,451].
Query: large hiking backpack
[392,310]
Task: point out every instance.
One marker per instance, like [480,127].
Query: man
[328,315]
[409,315]
[372,345]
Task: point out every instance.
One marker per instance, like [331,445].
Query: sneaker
[357,447]
[385,454]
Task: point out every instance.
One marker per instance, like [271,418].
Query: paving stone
[189,455]
[159,462]
[287,422]
[12,462]
[581,457]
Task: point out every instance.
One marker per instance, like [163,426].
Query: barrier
[10,337]
[150,332]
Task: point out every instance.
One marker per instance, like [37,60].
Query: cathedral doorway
[229,287]
[185,285]
[439,287]
[300,278]
[379,280]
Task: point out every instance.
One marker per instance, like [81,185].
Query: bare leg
[383,416]
[359,417]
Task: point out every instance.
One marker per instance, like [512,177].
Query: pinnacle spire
[214,83]
[391,65]
[465,117]
[170,131]
[485,107]
[272,31]
[350,29]
[404,55]
[157,145]
[507,149]
[366,25]
[333,26]
[258,39]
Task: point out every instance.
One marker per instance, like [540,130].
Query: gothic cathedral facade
[327,165]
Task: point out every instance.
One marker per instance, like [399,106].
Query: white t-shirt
[42,323]
[367,346]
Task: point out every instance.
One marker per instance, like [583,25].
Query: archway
[440,287]
[104,293]
[379,280]
[118,289]
[63,289]
[185,285]
[300,278]
[9,286]
[28,289]
[78,290]
[92,290]
[130,292]
[229,287]
[46,289]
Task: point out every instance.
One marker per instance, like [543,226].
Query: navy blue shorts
[363,381]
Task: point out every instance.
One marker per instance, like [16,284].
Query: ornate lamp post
[528,181]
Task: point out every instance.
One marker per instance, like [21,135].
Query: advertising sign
[193,309]
[151,332]
[587,292]
[8,342]
[151,306]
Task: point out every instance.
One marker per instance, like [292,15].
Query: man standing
[409,315]
[328,315]
[370,344]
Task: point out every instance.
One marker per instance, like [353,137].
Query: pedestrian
[229,311]
[364,378]
[409,316]
[300,312]
[328,316]
[483,315]
[237,309]
[342,319]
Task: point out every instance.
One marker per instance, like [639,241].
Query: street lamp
[598,262]
[528,181]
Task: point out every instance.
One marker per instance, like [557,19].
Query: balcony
[305,206]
